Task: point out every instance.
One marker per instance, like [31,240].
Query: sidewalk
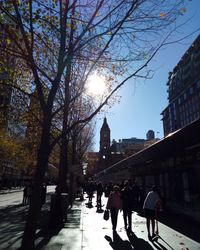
[11,190]
[86,229]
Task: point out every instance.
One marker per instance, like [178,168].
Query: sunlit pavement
[86,229]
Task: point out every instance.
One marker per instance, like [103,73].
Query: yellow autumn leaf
[8,41]
[162,14]
[68,25]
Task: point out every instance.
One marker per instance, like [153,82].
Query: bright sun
[96,84]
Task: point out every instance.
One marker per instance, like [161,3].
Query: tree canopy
[54,46]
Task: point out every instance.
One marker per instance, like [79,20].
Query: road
[12,198]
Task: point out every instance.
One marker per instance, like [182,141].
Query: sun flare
[96,84]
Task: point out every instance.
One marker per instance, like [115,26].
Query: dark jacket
[99,189]
[127,198]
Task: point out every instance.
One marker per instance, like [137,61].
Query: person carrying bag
[106,214]
[114,205]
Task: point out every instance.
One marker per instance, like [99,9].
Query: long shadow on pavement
[117,243]
[134,242]
[12,224]
[180,223]
[158,245]
[48,231]
[138,243]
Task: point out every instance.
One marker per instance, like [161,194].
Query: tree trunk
[58,212]
[35,204]
[63,168]
[63,165]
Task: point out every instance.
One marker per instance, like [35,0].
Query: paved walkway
[86,229]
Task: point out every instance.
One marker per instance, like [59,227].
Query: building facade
[183,91]
[123,145]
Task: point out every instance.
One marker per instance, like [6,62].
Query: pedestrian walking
[136,196]
[151,203]
[25,198]
[108,189]
[29,192]
[90,191]
[114,205]
[99,189]
[44,192]
[127,204]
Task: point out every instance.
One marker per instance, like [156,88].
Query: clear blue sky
[142,102]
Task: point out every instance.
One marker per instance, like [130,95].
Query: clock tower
[104,152]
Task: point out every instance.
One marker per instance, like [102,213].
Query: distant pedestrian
[80,193]
[127,204]
[114,205]
[44,192]
[25,198]
[108,189]
[29,193]
[136,196]
[151,204]
[99,189]
[90,192]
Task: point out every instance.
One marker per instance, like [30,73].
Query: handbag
[106,214]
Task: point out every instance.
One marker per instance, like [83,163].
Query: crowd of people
[126,197]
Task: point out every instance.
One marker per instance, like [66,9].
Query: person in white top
[151,204]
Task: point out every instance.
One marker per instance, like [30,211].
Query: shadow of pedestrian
[138,243]
[44,236]
[158,244]
[175,221]
[100,210]
[89,205]
[117,243]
